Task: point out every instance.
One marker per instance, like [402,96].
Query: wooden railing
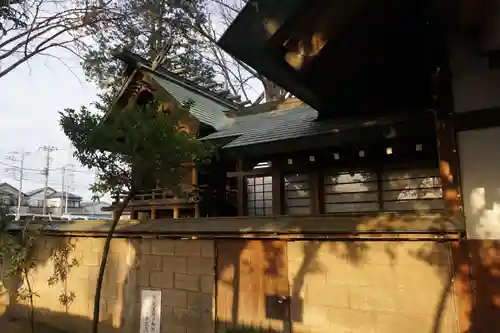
[188,194]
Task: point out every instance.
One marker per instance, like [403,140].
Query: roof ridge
[139,62]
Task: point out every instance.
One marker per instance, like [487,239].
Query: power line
[52,183]
[41,170]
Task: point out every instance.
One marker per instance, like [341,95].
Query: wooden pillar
[278,191]
[448,165]
[240,185]
[314,190]
[450,179]
[176,212]
[153,212]
[194,182]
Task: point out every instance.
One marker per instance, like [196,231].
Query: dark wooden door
[252,286]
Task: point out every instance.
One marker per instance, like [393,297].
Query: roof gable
[205,109]
[9,189]
[50,190]
[209,107]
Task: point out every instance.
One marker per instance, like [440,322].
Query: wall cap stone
[279,226]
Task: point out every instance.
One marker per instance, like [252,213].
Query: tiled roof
[268,126]
[209,107]
[281,125]
[205,109]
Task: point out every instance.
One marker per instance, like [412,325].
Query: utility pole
[14,157]
[69,182]
[48,149]
[63,180]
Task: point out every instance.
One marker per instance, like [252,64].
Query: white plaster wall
[480,173]
[54,203]
[475,85]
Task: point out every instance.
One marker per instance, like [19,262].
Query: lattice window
[396,190]
[260,196]
[418,189]
[351,192]
[297,194]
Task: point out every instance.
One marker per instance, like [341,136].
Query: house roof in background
[13,189]
[57,195]
[38,190]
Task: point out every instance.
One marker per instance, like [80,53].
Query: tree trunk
[104,259]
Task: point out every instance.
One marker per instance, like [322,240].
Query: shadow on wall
[62,276]
[182,269]
[481,195]
[269,286]
[433,278]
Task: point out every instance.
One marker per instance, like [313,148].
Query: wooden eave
[360,55]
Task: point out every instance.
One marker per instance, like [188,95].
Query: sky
[30,99]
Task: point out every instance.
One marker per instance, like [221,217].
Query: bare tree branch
[65,29]
[236,74]
[48,55]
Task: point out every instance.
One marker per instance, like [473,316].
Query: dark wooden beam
[241,189]
[477,119]
[278,192]
[314,188]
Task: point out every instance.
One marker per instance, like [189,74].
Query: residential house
[36,197]
[9,196]
[96,209]
[55,201]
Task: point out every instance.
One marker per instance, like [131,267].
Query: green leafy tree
[148,29]
[143,140]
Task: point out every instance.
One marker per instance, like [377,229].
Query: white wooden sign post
[150,311]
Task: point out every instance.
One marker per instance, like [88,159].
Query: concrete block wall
[182,269]
[382,287]
[379,287]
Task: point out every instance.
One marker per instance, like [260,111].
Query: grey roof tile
[283,125]
[205,109]
[270,126]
